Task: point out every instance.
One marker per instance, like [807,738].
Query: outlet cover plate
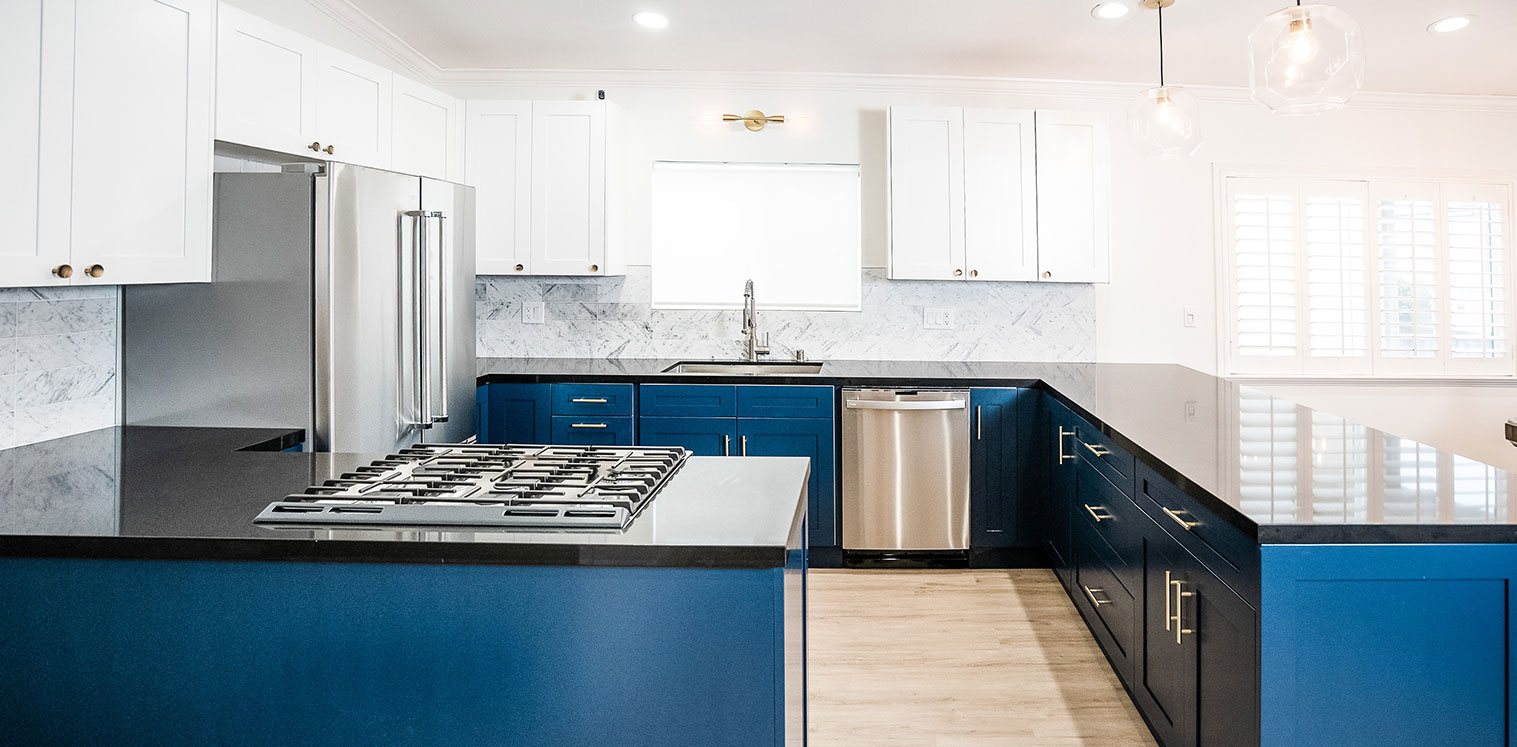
[937,319]
[532,312]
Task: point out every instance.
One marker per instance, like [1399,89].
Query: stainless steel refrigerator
[342,302]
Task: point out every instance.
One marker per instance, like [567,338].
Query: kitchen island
[1256,571]
[142,605]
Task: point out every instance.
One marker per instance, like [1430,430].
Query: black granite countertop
[1279,471]
[191,493]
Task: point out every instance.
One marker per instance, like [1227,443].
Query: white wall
[1163,254]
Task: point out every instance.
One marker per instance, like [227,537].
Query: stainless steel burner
[581,487]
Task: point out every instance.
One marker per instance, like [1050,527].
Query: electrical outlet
[937,319]
[1188,316]
[532,312]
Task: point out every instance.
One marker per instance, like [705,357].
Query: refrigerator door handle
[442,315]
[419,303]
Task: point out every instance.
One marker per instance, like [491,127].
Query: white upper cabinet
[117,98]
[266,84]
[568,188]
[1074,194]
[423,130]
[498,140]
[1000,195]
[141,177]
[353,109]
[926,193]
[25,258]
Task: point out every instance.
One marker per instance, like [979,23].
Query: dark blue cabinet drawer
[604,400]
[592,431]
[1112,460]
[784,401]
[1105,602]
[1114,521]
[702,436]
[516,414]
[1221,547]
[687,400]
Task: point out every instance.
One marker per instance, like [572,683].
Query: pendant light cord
[1161,44]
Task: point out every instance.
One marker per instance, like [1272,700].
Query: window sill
[1368,380]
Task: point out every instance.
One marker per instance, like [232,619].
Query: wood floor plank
[958,659]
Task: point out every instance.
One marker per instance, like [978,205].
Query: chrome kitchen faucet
[752,348]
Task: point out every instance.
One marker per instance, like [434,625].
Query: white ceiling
[1051,39]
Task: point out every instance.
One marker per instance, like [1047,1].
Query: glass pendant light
[1305,59]
[1165,121]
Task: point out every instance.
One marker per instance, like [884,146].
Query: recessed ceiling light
[1450,24]
[650,20]
[1111,11]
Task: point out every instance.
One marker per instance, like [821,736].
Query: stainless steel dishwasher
[905,469]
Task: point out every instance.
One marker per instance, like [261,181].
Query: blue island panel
[1386,644]
[133,652]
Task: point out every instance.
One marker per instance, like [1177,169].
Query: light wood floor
[958,659]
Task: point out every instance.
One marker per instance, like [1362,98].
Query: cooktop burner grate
[477,485]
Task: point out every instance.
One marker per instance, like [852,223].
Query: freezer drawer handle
[933,404]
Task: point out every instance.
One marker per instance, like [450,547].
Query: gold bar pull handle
[1180,596]
[1089,592]
[1099,517]
[1096,449]
[1062,435]
[1182,521]
[590,400]
[978,432]
[726,445]
[588,425]
[742,445]
[1169,614]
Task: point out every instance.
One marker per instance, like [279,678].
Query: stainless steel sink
[746,368]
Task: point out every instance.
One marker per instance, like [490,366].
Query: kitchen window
[794,229]
[1368,277]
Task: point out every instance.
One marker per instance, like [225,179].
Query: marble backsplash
[57,362]
[612,317]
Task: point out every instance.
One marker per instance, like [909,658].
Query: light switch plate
[937,319]
[532,312]
[1188,316]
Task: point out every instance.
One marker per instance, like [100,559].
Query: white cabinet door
[142,139]
[423,130]
[1074,193]
[498,137]
[265,84]
[25,257]
[926,193]
[568,188]
[353,108]
[1000,195]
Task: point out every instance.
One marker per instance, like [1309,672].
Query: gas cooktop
[479,485]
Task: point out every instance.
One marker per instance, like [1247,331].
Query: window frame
[1377,183]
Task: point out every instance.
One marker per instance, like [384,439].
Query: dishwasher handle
[926,404]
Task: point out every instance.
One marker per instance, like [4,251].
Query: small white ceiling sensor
[1111,11]
[650,20]
[1450,24]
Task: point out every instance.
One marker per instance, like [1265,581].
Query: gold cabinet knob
[95,271]
[330,149]
[974,273]
[519,268]
[64,271]
[1047,274]
[595,268]
[315,146]
[958,273]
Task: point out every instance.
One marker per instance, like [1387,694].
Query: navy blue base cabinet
[516,414]
[170,653]
[744,420]
[574,414]
[994,478]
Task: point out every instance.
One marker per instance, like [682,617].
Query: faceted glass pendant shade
[1165,121]
[1306,59]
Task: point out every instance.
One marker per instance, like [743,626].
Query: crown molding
[462,80]
[380,37]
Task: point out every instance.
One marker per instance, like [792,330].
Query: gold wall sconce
[755,120]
